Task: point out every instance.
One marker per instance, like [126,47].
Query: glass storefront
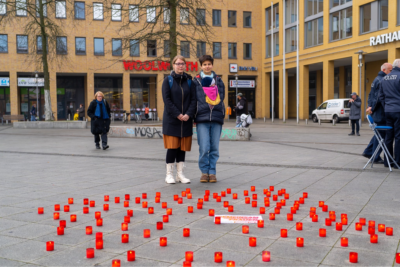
[112,90]
[70,94]
[248,93]
[139,94]
[28,98]
[5,106]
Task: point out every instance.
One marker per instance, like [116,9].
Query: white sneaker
[169,179]
[180,177]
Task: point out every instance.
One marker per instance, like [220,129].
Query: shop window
[314,32]
[184,16]
[201,49]
[61,10]
[200,17]
[246,19]
[217,50]
[232,18]
[275,45]
[116,12]
[5,105]
[133,13]
[151,14]
[151,48]
[99,46]
[79,8]
[167,15]
[98,11]
[38,8]
[21,8]
[275,19]
[342,24]
[61,45]
[134,48]
[374,16]
[313,7]
[216,17]
[80,45]
[3,7]
[232,50]
[167,51]
[22,44]
[112,90]
[247,51]
[291,39]
[185,49]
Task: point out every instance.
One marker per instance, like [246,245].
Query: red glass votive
[106,198]
[293,210]
[169,211]
[343,215]
[245,229]
[275,197]
[116,200]
[190,209]
[129,213]
[144,204]
[219,199]
[272,216]
[60,230]
[164,205]
[358,227]
[279,192]
[252,241]
[89,230]
[271,188]
[230,208]
[183,193]
[217,220]
[247,200]
[215,195]
[260,223]
[206,198]
[266,256]
[363,221]
[296,206]
[180,200]
[131,255]
[332,217]
[86,201]
[290,217]
[245,193]
[262,210]
[106,207]
[344,221]
[322,232]
[49,245]
[300,242]
[371,223]
[186,232]
[116,263]
[127,219]
[253,188]
[254,196]
[268,194]
[374,238]
[158,194]
[398,258]
[160,225]
[299,226]
[73,217]
[339,226]
[254,204]
[381,228]
[313,209]
[99,236]
[40,210]
[124,226]
[301,200]
[305,194]
[328,222]
[125,238]
[99,222]
[63,223]
[85,210]
[389,231]
[127,197]
[226,204]
[66,208]
[353,257]
[211,212]
[97,215]
[189,256]
[200,200]
[321,204]
[99,244]
[57,207]
[90,253]
[146,233]
[284,233]
[144,195]
[228,191]
[176,197]
[371,230]
[165,218]
[207,192]
[218,257]
[199,206]
[163,241]
[92,203]
[283,202]
[157,199]
[70,201]
[315,218]
[230,264]
[286,196]
[325,208]
[189,196]
[277,211]
[187,264]
[223,194]
[56,215]
[151,210]
[187,190]
[344,241]
[126,204]
[266,203]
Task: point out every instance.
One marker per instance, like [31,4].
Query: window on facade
[61,10]
[61,45]
[313,7]
[134,48]
[133,13]
[339,2]
[275,22]
[275,45]
[22,44]
[167,15]
[99,46]
[216,17]
[201,49]
[184,16]
[247,53]
[342,24]
[3,7]
[80,45]
[314,32]
[151,48]
[217,50]
[39,46]
[116,12]
[38,8]
[232,50]
[200,16]
[246,19]
[21,8]
[79,8]
[232,18]
[98,11]
[3,43]
[116,47]
[291,39]
[185,49]
[374,16]
[151,14]
[167,51]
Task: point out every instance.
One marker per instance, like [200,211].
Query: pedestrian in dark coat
[81,112]
[355,113]
[179,110]
[99,112]
[241,107]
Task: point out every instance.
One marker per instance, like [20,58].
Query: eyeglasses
[180,64]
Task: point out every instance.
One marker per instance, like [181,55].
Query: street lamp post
[236,82]
[37,94]
[360,65]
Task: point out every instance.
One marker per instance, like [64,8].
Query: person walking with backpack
[99,112]
[179,97]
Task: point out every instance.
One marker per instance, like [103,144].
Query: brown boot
[213,178]
[204,178]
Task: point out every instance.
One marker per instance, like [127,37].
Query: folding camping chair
[382,145]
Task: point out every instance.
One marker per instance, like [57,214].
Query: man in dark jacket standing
[355,113]
[81,112]
[389,96]
[241,107]
[377,112]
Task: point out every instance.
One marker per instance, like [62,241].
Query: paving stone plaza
[41,168]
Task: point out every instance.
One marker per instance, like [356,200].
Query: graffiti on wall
[149,132]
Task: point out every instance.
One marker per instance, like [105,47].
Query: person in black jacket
[210,93]
[179,110]
[241,107]
[99,112]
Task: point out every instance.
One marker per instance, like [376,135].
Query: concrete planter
[50,125]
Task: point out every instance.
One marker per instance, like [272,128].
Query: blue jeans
[393,120]
[208,134]
[33,117]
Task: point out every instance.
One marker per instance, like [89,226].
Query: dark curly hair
[205,58]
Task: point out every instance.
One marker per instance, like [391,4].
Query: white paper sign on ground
[239,218]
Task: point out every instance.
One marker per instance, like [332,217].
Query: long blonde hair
[176,58]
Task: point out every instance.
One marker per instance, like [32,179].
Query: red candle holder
[223,194]
[186,232]
[272,216]
[144,204]
[57,207]
[226,204]
[160,225]
[146,233]
[163,241]
[363,221]
[73,218]
[218,257]
[85,210]
[190,209]
[247,200]
[89,230]
[189,256]
[211,212]
[125,238]
[293,210]
[164,205]
[137,200]
[189,196]
[66,208]
[315,218]
[245,193]
[116,263]
[49,245]
[253,188]
[126,204]
[144,195]
[262,210]
[99,244]
[56,215]
[187,190]
[169,211]
[260,223]
[127,219]
[284,233]
[283,202]
[398,258]
[99,222]
[207,192]
[332,217]
[266,203]
[277,211]
[116,200]
[63,223]
[279,192]
[200,200]
[219,199]
[286,196]
[99,236]
[127,197]
[371,223]
[381,228]
[180,200]
[106,198]
[206,198]
[245,229]
[322,232]
[321,204]
[254,196]
[279,205]
[254,204]
[106,207]
[215,195]
[129,213]
[358,227]
[300,242]
[230,209]
[92,203]
[389,231]
[131,255]
[90,253]
[85,201]
[230,264]
[374,238]
[344,242]
[344,221]
[371,230]
[313,209]
[252,241]
[228,191]
[70,201]
[151,210]
[271,188]
[299,226]
[328,222]
[266,256]
[353,257]
[339,226]
[275,197]
[176,197]
[60,230]
[217,220]
[158,194]
[305,194]
[301,200]
[157,199]
[268,194]
[124,226]
[199,206]
[187,264]
[289,217]
[165,218]
[40,210]
[97,215]
[325,208]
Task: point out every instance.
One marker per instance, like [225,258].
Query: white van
[332,110]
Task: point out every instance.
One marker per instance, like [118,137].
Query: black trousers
[393,120]
[103,139]
[355,124]
[175,155]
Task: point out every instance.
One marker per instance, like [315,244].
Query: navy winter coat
[98,125]
[180,99]
[390,92]
[355,109]
[378,113]
[204,112]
